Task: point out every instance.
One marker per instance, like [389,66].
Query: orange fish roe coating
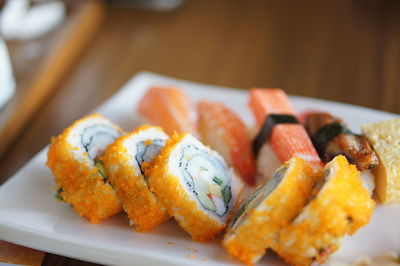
[265,214]
[141,205]
[171,191]
[82,184]
[341,207]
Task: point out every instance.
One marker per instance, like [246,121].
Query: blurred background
[68,57]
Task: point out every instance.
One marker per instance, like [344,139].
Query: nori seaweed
[266,130]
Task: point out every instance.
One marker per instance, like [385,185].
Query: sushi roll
[256,225]
[169,108]
[74,159]
[340,206]
[195,185]
[124,161]
[223,130]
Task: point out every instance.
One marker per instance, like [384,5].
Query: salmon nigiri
[223,130]
[288,139]
[169,108]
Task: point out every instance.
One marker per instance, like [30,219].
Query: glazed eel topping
[207,177]
[331,137]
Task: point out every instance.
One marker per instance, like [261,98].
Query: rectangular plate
[30,216]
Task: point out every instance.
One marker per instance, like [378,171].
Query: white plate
[30,216]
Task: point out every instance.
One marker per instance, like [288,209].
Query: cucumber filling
[100,167]
[58,194]
[96,138]
[206,177]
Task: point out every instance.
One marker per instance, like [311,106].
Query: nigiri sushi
[169,108]
[276,118]
[332,137]
[273,112]
[257,223]
[195,185]
[384,137]
[225,132]
[124,161]
[74,157]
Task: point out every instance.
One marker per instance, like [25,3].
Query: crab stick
[288,138]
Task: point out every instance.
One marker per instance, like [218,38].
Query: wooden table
[346,51]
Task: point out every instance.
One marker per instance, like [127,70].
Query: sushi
[384,138]
[195,185]
[257,224]
[223,130]
[332,137]
[169,108]
[125,161]
[340,205]
[74,159]
[276,118]
[267,163]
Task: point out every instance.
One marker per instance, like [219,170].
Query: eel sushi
[225,132]
[125,160]
[256,225]
[340,206]
[195,185]
[169,108]
[74,159]
[332,137]
[280,128]
[384,138]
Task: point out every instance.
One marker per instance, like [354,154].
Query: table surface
[340,50]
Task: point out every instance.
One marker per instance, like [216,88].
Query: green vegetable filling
[58,194]
[217,180]
[206,201]
[240,211]
[207,178]
[100,167]
[226,194]
[246,204]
